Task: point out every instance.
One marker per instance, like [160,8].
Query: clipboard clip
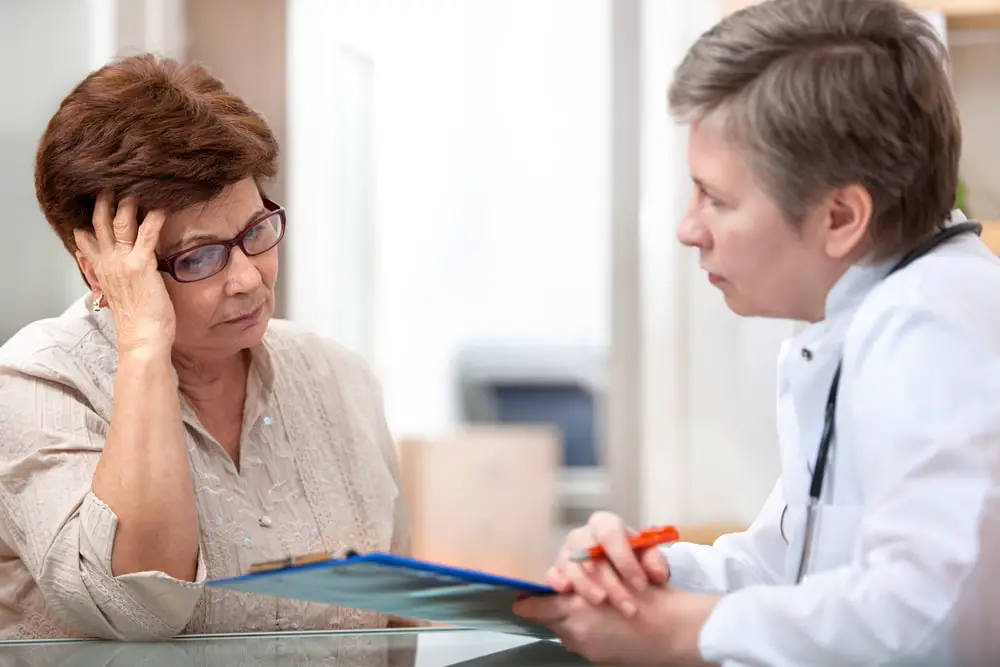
[296,561]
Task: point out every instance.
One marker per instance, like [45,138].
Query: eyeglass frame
[166,265]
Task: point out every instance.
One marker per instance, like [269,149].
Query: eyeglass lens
[207,260]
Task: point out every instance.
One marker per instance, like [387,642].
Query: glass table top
[428,647]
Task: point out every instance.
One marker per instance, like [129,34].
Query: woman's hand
[614,579]
[122,254]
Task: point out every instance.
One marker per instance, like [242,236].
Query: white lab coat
[905,568]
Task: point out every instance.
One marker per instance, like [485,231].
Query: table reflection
[392,648]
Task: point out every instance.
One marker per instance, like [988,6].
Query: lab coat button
[807,354]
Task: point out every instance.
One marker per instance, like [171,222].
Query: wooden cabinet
[484,498]
[964,14]
[991,235]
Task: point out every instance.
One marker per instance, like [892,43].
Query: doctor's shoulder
[950,296]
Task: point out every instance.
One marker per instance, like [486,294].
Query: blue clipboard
[400,586]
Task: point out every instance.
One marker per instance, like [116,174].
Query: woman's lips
[249,318]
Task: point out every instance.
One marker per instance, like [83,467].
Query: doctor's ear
[848,220]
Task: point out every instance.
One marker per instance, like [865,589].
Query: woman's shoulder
[60,348]
[55,374]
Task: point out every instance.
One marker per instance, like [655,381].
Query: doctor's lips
[715,279]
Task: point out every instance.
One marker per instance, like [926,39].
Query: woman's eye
[193,260]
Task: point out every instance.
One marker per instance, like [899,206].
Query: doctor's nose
[693,233]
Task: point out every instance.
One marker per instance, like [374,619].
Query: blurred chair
[519,384]
[557,385]
[484,497]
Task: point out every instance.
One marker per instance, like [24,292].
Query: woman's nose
[243,273]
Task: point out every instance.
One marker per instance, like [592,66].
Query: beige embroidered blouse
[317,472]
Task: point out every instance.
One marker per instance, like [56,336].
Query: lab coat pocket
[835,537]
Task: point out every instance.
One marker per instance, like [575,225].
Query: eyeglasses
[205,260]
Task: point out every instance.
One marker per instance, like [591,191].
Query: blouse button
[286,624]
[807,354]
[264,521]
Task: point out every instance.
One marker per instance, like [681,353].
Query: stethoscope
[826,438]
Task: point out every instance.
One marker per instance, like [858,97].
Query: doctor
[824,148]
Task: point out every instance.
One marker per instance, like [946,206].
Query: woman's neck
[207,382]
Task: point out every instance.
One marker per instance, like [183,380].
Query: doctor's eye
[705,198]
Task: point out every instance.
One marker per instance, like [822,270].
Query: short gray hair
[825,93]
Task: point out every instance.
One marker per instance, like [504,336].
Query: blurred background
[482,197]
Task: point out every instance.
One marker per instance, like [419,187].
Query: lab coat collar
[849,291]
[854,285]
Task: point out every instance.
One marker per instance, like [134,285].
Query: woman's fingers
[124,225]
[102,220]
[87,244]
[149,232]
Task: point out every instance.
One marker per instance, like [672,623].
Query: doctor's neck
[845,283]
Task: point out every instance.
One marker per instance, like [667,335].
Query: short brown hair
[825,93]
[167,132]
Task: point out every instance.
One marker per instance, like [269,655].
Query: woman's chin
[252,335]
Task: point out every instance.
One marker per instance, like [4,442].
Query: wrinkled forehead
[218,219]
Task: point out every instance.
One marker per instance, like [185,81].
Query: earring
[98,303]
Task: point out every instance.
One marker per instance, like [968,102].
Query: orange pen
[650,537]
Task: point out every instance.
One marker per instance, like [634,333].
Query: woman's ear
[87,271]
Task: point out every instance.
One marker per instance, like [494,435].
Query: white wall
[493,223]
[704,379]
[491,174]
[45,48]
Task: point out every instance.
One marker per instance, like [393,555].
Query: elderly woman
[165,430]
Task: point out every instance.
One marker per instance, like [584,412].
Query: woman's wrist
[144,353]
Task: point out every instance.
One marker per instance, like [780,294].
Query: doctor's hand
[615,579]
[665,630]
